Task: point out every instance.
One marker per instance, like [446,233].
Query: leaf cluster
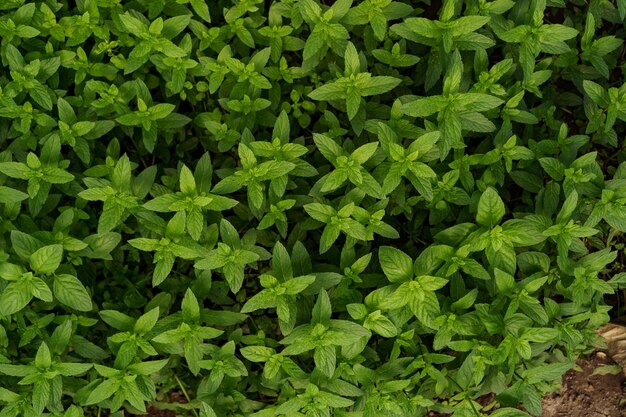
[350,208]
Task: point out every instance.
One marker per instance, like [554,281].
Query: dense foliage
[306,207]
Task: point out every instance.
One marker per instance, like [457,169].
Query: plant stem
[182,388]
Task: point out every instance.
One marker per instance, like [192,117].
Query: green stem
[182,388]
[467,397]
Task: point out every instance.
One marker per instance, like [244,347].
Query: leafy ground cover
[306,208]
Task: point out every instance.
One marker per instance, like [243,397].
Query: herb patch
[306,208]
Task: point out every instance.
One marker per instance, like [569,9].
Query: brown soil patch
[173,397]
[583,394]
[587,395]
[155,412]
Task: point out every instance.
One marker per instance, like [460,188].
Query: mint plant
[306,207]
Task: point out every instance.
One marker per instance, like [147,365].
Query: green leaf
[41,96]
[201,9]
[148,367]
[351,59]
[40,290]
[190,307]
[234,274]
[328,92]
[40,395]
[328,147]
[257,353]
[329,236]
[70,291]
[160,111]
[105,390]
[556,32]
[15,370]
[15,170]
[614,369]
[146,322]
[320,212]
[56,175]
[205,409]
[281,262]
[129,119]
[47,259]
[298,284]
[424,107]
[117,320]
[14,298]
[467,24]
[11,196]
[229,234]
[364,153]
[397,265]
[322,309]
[14,57]
[259,301]
[548,372]
[490,208]
[325,360]
[380,324]
[509,412]
[595,92]
[378,85]
[187,181]
[43,359]
[74,369]
[132,25]
[570,204]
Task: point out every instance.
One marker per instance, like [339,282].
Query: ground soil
[587,395]
[173,397]
[584,394]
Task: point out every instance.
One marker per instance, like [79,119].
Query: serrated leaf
[47,259]
[490,208]
[70,291]
[397,265]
